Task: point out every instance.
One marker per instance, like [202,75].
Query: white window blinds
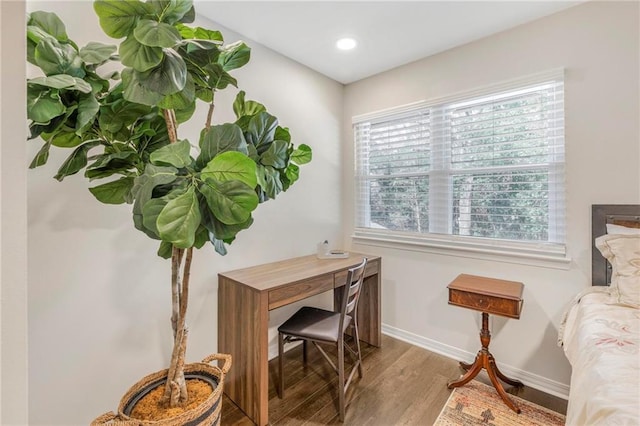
[489,165]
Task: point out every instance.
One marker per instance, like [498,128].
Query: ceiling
[389,33]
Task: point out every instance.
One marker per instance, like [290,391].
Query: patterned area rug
[478,404]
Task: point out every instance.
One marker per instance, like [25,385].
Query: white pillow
[623,252]
[623,230]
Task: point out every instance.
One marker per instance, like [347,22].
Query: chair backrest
[351,294]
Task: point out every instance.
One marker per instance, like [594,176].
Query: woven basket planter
[207,413]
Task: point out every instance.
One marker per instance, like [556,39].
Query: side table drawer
[489,304]
[291,293]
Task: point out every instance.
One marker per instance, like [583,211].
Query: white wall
[13,224]
[99,297]
[598,44]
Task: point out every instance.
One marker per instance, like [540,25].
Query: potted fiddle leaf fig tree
[121,130]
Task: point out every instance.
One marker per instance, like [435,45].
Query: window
[482,169]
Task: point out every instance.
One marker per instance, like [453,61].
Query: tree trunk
[175,392]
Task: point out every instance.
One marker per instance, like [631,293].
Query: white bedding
[602,342]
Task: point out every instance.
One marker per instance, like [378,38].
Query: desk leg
[243,321]
[485,360]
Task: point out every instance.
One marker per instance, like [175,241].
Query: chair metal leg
[341,391]
[280,365]
[305,355]
[357,336]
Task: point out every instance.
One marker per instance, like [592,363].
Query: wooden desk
[245,297]
[489,296]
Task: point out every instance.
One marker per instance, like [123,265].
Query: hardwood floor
[402,385]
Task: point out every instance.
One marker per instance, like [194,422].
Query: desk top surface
[273,275]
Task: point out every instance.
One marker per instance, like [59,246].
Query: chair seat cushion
[315,323]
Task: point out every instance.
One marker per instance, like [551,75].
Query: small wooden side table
[489,296]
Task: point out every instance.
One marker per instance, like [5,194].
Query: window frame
[538,253]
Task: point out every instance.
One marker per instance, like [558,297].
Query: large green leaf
[238,104]
[269,180]
[170,76]
[136,91]
[202,237]
[137,223]
[34,35]
[216,229]
[179,220]
[228,232]
[261,129]
[88,107]
[234,55]
[31,51]
[184,114]
[180,100]
[66,138]
[276,155]
[96,53]
[175,154]
[231,165]
[145,183]
[200,54]
[156,34]
[292,173]
[76,161]
[115,192]
[150,213]
[154,207]
[282,134]
[54,58]
[41,157]
[114,160]
[219,78]
[138,56]
[205,94]
[219,246]
[301,155]
[219,139]
[189,17]
[43,104]
[97,83]
[231,202]
[62,81]
[253,153]
[50,23]
[242,107]
[118,18]
[170,11]
[38,129]
[151,86]
[165,250]
[102,173]
[121,113]
[199,33]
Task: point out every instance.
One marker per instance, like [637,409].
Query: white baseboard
[533,380]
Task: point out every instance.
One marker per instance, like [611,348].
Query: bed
[600,331]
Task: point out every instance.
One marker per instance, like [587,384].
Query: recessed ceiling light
[346,43]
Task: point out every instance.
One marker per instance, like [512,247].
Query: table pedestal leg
[485,360]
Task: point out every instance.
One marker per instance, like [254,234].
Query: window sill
[534,254]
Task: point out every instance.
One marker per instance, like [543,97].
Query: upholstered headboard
[620,214]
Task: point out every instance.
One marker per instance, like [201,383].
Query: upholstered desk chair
[321,326]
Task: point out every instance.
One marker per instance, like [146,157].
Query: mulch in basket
[149,407]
